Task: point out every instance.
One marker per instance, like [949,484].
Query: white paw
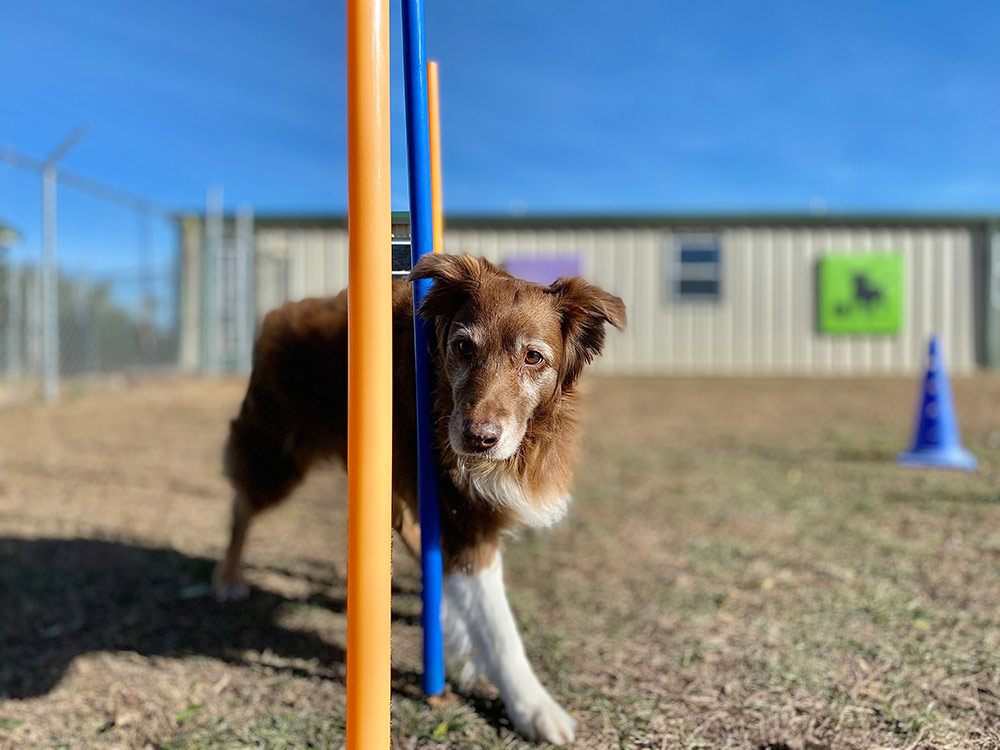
[231,591]
[542,719]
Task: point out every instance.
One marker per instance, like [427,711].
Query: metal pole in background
[146,299]
[50,268]
[7,238]
[244,302]
[50,280]
[14,322]
[211,255]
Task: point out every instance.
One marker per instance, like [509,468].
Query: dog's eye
[463,347]
[533,357]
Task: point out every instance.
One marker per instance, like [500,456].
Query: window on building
[694,268]
[401,259]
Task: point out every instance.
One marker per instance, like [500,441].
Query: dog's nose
[481,436]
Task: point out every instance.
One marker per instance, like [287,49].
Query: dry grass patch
[745,566]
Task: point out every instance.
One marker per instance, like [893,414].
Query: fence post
[50,267]
[15,322]
[145,313]
[50,291]
[244,298]
[211,254]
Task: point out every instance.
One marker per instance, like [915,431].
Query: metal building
[705,294]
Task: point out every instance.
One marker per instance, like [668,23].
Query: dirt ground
[745,566]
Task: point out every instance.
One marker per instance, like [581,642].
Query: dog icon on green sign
[861,294]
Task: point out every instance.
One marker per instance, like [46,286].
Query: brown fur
[295,409]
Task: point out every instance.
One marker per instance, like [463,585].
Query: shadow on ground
[60,598]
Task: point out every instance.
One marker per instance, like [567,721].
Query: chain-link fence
[107,323]
[115,283]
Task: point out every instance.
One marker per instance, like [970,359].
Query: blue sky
[558,106]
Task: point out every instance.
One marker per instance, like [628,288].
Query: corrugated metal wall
[764,322]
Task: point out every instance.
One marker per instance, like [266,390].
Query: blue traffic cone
[935,441]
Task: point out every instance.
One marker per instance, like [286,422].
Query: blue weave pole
[422,242]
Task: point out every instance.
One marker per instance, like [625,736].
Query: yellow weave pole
[369,384]
[434,125]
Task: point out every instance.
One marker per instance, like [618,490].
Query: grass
[744,567]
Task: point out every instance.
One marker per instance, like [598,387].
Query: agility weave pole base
[369,384]
[421,243]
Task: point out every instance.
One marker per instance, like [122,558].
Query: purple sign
[543,270]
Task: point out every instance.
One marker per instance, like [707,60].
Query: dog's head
[506,346]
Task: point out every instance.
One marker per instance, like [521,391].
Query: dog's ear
[455,278]
[585,309]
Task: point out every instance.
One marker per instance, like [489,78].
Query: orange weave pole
[434,125]
[369,386]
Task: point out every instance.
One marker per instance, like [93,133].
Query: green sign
[861,294]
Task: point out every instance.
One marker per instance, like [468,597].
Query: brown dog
[507,355]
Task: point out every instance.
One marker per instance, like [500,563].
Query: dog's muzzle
[479,437]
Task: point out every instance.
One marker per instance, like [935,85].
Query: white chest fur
[490,482]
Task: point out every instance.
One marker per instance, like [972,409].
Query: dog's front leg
[477,613]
